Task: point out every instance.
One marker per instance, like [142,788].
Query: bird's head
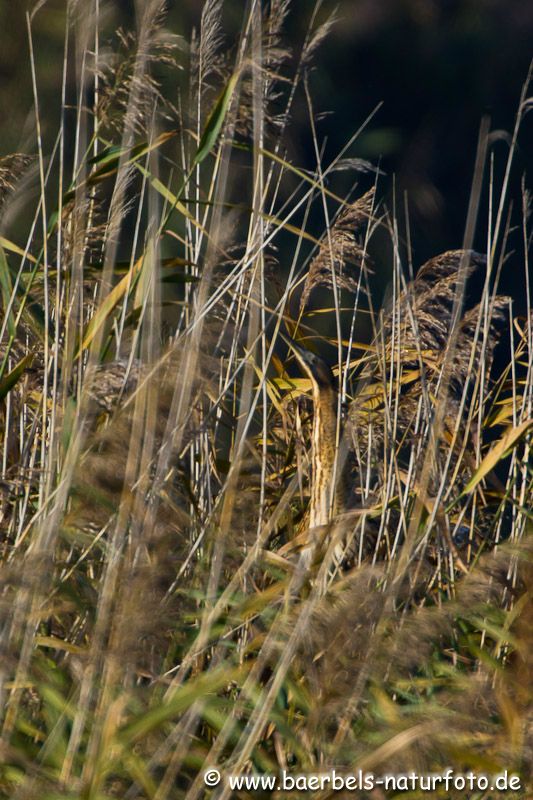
[313,367]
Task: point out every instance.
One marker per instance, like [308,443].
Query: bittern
[327,496]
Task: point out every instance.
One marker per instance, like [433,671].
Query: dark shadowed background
[436,66]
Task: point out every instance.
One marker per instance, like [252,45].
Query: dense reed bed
[155,440]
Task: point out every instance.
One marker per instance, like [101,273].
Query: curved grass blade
[501,449]
[216,120]
[13,377]
[109,303]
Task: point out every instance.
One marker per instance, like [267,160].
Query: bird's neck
[323,458]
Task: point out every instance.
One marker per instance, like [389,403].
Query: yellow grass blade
[109,303]
[501,449]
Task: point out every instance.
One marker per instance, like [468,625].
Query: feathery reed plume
[341,257]
[12,168]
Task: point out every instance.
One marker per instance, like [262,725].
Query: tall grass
[155,440]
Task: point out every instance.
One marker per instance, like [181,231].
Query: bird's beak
[300,352]
[303,356]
